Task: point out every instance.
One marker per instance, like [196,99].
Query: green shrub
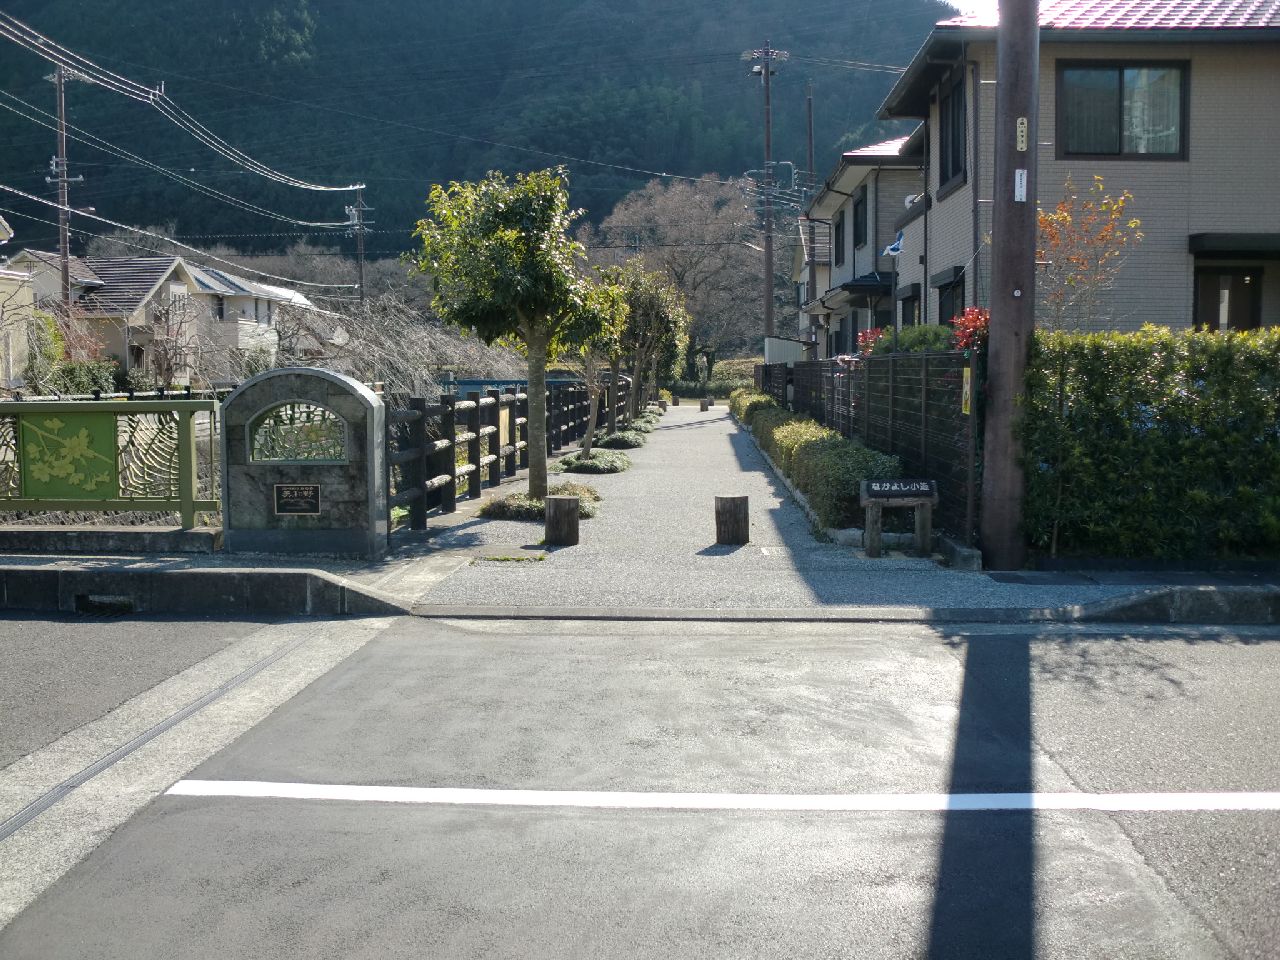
[598,461]
[1154,444]
[824,466]
[82,377]
[722,387]
[739,368]
[745,403]
[916,339]
[665,394]
[521,506]
[622,440]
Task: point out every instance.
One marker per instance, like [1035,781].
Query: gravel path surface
[653,544]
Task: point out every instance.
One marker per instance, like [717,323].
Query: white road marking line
[731,801]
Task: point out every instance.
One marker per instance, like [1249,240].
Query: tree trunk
[537,347]
[615,368]
[594,391]
[691,360]
[711,361]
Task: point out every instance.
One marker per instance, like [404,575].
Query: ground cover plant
[597,461]
[622,440]
[521,506]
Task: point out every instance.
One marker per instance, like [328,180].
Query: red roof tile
[1142,15]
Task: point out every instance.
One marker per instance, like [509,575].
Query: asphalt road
[703,710]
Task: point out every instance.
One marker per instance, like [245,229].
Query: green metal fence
[104,455]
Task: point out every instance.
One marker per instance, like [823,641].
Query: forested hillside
[402,94]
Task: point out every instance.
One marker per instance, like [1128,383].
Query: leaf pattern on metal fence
[10,478]
[149,454]
[299,431]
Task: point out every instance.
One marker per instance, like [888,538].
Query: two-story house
[1174,101]
[859,205]
[162,312]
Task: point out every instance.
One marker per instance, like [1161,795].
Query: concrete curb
[1204,606]
[249,592]
[47,538]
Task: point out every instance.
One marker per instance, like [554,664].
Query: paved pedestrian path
[653,545]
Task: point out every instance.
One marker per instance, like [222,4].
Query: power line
[147,233]
[97,142]
[85,69]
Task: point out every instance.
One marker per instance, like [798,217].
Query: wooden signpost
[921,495]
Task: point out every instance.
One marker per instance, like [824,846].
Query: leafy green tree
[657,324]
[501,262]
[600,346]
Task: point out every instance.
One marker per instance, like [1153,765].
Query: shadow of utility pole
[984,905]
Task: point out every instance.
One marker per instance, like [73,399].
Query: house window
[1127,110]
[951,131]
[219,308]
[951,300]
[837,239]
[860,219]
[910,310]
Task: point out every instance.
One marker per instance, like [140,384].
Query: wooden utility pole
[359,226]
[1013,280]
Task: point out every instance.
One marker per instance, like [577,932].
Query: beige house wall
[1228,184]
[16,305]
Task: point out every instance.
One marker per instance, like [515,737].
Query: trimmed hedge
[825,467]
[917,339]
[1154,444]
[744,404]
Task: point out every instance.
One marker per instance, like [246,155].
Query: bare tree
[703,237]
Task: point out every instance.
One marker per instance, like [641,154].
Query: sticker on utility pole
[966,393]
[1020,186]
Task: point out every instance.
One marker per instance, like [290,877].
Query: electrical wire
[14,29]
[155,236]
[97,142]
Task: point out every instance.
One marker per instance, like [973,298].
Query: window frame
[860,219]
[1120,65]
[837,239]
[951,291]
[951,99]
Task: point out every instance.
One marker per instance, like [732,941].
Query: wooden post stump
[733,523]
[675,401]
[871,536]
[702,404]
[562,521]
[662,405]
[711,401]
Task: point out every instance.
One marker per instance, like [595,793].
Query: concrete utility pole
[1013,280]
[58,167]
[767,57]
[359,227]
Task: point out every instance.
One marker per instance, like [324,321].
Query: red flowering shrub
[867,339]
[971,328]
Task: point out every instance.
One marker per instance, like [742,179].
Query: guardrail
[102,455]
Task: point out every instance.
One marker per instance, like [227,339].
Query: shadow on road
[984,903]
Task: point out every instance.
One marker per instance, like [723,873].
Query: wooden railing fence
[433,448]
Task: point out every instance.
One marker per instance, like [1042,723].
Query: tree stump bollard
[733,524]
[662,405]
[702,404]
[711,401]
[675,401]
[562,521]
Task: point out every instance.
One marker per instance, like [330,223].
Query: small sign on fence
[966,393]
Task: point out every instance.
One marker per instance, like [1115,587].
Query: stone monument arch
[303,465]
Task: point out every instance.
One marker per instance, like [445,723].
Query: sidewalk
[653,545]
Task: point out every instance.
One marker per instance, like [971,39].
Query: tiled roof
[888,148]
[1142,15]
[80,272]
[126,281]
